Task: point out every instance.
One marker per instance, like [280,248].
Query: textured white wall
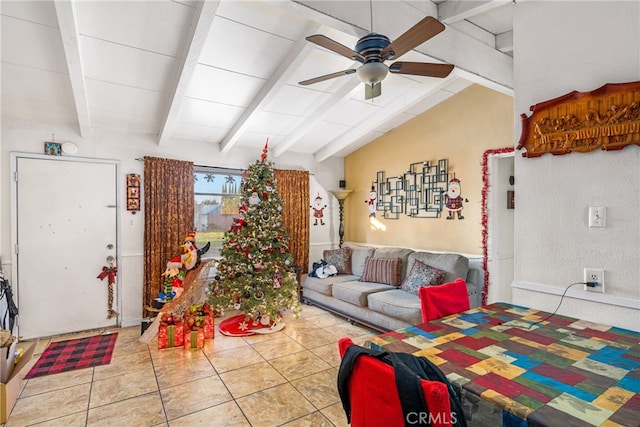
[561,47]
[24,136]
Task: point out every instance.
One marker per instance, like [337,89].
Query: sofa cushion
[359,255]
[397,303]
[339,258]
[382,270]
[356,292]
[420,275]
[454,265]
[323,286]
[401,253]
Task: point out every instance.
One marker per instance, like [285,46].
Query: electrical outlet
[595,275]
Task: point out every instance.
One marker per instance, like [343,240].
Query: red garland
[485,215]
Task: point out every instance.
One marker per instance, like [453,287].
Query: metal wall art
[418,193]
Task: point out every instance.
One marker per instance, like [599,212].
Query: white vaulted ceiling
[227,72]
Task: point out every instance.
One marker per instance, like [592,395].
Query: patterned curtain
[293,188]
[168,217]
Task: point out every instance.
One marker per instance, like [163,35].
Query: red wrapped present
[170,331]
[200,316]
[208,326]
[194,338]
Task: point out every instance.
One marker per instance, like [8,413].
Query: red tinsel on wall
[485,215]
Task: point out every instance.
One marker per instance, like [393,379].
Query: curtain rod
[141,159]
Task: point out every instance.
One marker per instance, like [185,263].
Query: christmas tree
[255,274]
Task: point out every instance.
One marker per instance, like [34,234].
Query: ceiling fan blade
[336,47]
[326,77]
[414,36]
[372,91]
[421,69]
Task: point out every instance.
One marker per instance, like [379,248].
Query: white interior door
[500,261]
[66,228]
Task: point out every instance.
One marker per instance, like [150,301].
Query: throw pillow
[421,274]
[382,270]
[339,258]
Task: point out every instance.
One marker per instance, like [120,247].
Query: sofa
[378,286]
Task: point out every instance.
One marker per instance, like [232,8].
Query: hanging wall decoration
[607,118]
[453,200]
[133,192]
[318,206]
[53,148]
[418,193]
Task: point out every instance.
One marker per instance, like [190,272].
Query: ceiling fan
[373,49]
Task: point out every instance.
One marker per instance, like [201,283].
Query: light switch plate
[597,216]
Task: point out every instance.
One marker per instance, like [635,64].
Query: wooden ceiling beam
[68,25]
[203,20]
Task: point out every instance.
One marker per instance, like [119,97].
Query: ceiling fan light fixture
[372,72]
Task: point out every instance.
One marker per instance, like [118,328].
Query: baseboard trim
[578,293]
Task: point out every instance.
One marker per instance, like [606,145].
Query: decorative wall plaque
[607,118]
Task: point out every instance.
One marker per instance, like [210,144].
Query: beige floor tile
[59,381]
[299,365]
[181,372]
[314,338]
[170,356]
[324,320]
[335,414]
[251,379]
[277,347]
[315,419]
[346,329]
[47,406]
[223,415]
[78,419]
[124,364]
[228,360]
[121,387]
[285,378]
[320,388]
[310,310]
[145,410]
[221,342]
[128,342]
[329,353]
[194,396]
[275,406]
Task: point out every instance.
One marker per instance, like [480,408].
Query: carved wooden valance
[607,118]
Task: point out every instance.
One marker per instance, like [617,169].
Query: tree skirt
[239,326]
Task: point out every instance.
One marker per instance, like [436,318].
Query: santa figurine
[373,195]
[453,201]
[318,210]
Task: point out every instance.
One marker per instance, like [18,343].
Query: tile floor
[283,379]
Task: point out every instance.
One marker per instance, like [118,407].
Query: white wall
[561,47]
[24,136]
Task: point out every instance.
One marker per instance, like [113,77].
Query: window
[217,200]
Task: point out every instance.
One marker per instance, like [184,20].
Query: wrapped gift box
[171,332]
[194,338]
[200,316]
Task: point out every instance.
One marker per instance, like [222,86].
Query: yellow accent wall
[459,129]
